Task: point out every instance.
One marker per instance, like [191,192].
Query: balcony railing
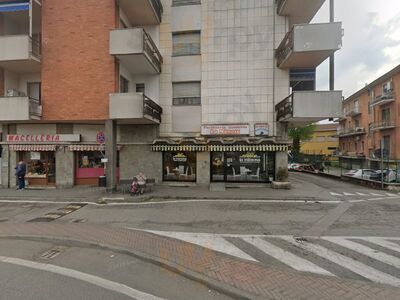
[351,131]
[151,108]
[284,108]
[383,125]
[36,47]
[19,108]
[158,8]
[151,50]
[285,47]
[386,97]
[353,112]
[35,108]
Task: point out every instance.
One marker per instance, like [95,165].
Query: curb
[200,278]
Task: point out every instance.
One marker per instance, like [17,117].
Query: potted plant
[281,182]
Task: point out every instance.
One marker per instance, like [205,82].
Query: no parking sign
[101,138]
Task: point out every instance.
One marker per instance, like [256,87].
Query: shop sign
[46,138]
[250,158]
[261,129]
[180,157]
[240,129]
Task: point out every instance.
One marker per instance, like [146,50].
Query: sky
[371,43]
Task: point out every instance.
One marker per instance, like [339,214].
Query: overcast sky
[371,42]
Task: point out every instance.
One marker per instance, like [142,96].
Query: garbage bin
[102,181]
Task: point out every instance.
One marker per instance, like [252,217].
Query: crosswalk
[375,259]
[365,194]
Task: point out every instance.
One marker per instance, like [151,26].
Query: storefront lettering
[180,157]
[40,138]
[250,158]
[240,129]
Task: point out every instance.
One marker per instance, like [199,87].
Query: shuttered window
[187,43]
[186,93]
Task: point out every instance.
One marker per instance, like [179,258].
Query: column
[111,154]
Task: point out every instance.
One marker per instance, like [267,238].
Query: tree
[299,134]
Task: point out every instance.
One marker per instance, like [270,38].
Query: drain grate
[53,252]
[61,212]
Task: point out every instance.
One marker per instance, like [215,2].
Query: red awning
[35,148]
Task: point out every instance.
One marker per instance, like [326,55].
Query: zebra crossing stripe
[391,195]
[378,195]
[336,194]
[377,255]
[286,257]
[382,242]
[362,194]
[348,194]
[346,262]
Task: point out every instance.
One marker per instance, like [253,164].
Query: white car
[362,174]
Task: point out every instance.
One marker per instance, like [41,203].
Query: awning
[34,148]
[89,147]
[14,6]
[222,148]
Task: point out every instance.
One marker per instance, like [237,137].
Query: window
[186,93]
[140,88]
[179,166]
[34,90]
[386,116]
[387,87]
[369,107]
[187,43]
[386,144]
[357,123]
[185,2]
[123,84]
[320,139]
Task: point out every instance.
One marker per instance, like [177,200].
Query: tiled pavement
[246,280]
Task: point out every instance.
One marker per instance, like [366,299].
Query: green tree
[299,134]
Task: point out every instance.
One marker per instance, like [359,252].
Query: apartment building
[324,141]
[183,90]
[372,118]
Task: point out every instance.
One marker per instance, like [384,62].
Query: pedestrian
[141,180]
[20,172]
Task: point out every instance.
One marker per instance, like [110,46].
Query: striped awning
[89,147]
[34,148]
[11,6]
[196,148]
[222,148]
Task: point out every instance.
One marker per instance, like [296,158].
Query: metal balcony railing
[151,50]
[158,8]
[385,124]
[351,131]
[284,108]
[35,107]
[386,97]
[285,47]
[151,108]
[36,47]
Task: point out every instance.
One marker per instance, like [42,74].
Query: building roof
[384,77]
[326,127]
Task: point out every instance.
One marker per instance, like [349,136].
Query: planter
[281,185]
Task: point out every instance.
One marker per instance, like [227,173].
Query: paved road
[33,270]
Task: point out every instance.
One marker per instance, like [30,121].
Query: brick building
[372,118]
[184,90]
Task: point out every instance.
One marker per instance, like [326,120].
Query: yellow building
[323,142]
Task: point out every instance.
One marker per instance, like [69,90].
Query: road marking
[214,242]
[362,194]
[349,194]
[383,242]
[377,255]
[346,262]
[95,280]
[286,257]
[336,194]
[391,195]
[378,195]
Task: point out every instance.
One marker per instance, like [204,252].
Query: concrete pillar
[65,166]
[203,168]
[281,161]
[111,154]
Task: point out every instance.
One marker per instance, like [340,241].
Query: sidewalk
[238,278]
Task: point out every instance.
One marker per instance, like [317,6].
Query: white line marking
[211,241]
[95,280]
[383,242]
[349,194]
[336,194]
[378,195]
[362,194]
[347,263]
[391,195]
[286,257]
[377,255]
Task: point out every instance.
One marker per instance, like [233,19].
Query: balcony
[384,125]
[385,98]
[308,45]
[304,107]
[19,109]
[136,50]
[20,53]
[345,132]
[354,112]
[299,12]
[134,108]
[142,12]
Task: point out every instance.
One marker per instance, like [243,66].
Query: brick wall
[78,73]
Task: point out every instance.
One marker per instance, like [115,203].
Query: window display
[40,167]
[179,166]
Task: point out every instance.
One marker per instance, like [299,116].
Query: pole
[332,56]
[382,164]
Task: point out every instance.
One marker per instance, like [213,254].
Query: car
[389,175]
[362,174]
[294,166]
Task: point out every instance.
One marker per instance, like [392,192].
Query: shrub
[282,174]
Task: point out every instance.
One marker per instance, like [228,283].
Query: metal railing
[150,48]
[158,8]
[35,107]
[279,5]
[151,108]
[285,47]
[284,108]
[351,131]
[385,97]
[386,124]
[36,47]
[353,112]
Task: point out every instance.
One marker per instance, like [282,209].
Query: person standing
[20,173]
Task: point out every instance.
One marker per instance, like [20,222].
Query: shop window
[40,167]
[186,43]
[186,93]
[242,166]
[179,166]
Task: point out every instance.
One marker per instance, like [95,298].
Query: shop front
[179,166]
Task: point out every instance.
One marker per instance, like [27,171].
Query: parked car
[389,175]
[363,174]
[294,166]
